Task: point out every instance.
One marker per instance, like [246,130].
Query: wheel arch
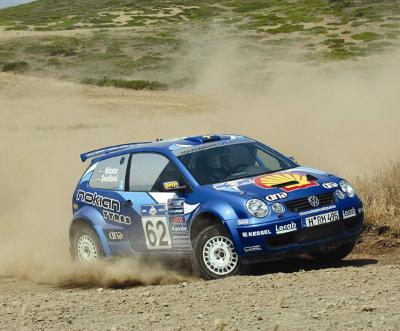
[88,216]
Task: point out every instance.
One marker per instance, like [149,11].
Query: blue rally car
[225,201]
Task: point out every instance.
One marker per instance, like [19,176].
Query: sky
[9,3]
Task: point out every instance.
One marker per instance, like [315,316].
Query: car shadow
[291,265]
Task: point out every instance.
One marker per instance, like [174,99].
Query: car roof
[160,146]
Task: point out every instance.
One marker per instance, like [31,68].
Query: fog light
[278,208]
[340,195]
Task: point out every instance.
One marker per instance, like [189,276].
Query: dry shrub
[380,193]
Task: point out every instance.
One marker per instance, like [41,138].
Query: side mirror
[293,159]
[173,186]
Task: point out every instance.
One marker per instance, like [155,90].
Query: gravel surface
[362,293]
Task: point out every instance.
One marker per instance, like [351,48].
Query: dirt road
[363,293]
[44,126]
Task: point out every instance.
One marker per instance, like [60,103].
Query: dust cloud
[337,116]
[340,117]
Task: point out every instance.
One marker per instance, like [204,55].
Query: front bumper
[289,235]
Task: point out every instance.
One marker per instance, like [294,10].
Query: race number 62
[157,233]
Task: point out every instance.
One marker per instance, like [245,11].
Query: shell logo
[294,181]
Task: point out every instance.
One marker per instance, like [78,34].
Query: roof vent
[204,139]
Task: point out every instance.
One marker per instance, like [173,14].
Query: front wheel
[214,255]
[335,255]
[86,246]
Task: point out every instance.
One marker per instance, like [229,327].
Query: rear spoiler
[107,150]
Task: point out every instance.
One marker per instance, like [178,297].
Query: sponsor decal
[202,147]
[176,203]
[152,210]
[176,219]
[176,211]
[285,181]
[252,248]
[176,207]
[115,217]
[232,186]
[171,185]
[163,198]
[308,212]
[256,233]
[349,213]
[98,200]
[178,146]
[181,240]
[330,185]
[243,221]
[276,196]
[179,228]
[74,206]
[285,228]
[115,235]
[110,175]
[322,219]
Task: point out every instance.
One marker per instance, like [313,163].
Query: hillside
[141,39]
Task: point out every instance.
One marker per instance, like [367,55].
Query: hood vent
[292,182]
[310,178]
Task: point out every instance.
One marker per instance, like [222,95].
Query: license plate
[322,219]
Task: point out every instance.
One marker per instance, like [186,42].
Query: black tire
[335,255]
[85,231]
[203,267]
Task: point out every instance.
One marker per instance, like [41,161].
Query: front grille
[302,204]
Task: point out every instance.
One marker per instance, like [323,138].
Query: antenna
[156,134]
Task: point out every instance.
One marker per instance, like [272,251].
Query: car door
[158,205]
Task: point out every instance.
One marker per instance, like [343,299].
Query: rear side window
[149,172]
[110,174]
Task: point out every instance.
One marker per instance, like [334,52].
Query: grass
[127,84]
[381,196]
[143,39]
[286,28]
[367,36]
[19,66]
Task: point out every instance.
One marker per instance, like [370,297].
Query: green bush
[367,36]
[127,84]
[19,66]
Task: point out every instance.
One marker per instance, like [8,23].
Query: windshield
[224,163]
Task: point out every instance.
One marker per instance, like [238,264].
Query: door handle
[128,203]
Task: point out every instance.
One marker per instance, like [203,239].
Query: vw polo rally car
[225,201]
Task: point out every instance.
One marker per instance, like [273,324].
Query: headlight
[257,208]
[347,188]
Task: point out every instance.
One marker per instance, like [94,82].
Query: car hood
[287,184]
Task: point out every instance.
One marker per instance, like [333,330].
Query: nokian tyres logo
[98,200]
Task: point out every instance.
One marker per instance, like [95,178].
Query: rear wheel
[86,246]
[215,256]
[334,255]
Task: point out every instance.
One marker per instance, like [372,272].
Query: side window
[270,162]
[150,171]
[110,174]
